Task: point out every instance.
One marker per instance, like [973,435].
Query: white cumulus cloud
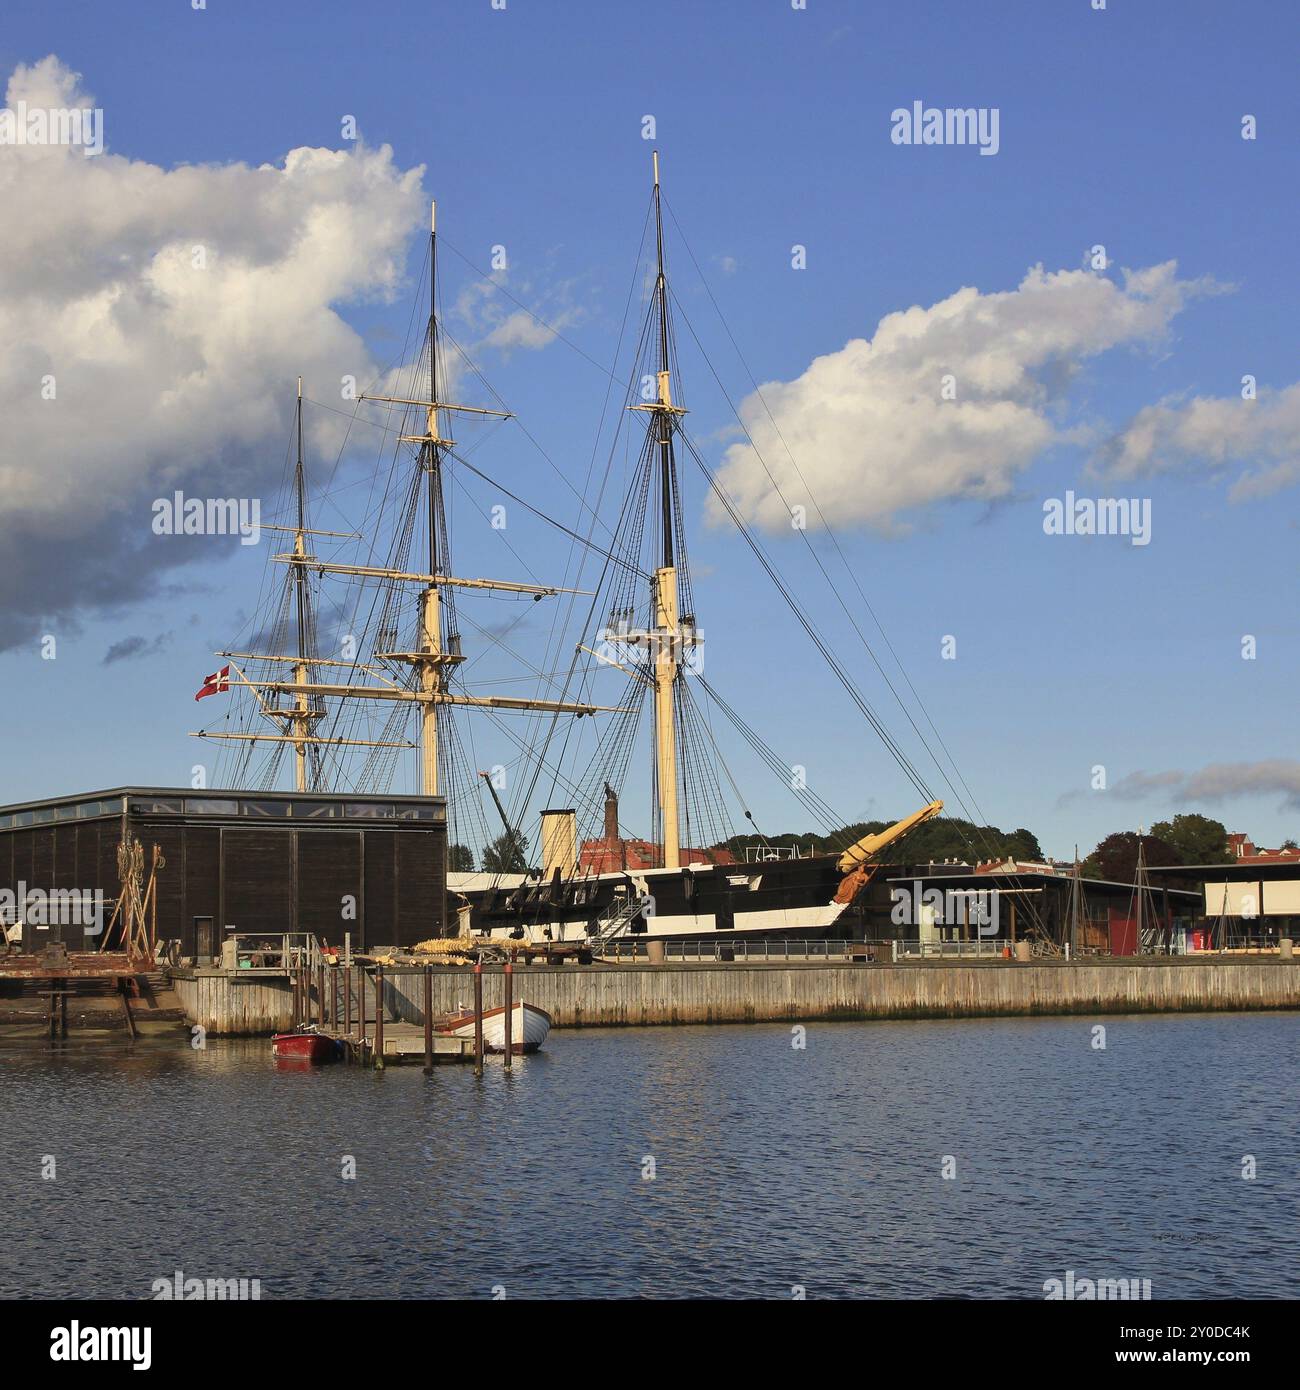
[870,431]
[154,321]
[1259,438]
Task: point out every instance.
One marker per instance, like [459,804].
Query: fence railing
[277,952]
[941,950]
[739,948]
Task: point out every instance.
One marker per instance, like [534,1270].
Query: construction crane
[860,861]
[515,844]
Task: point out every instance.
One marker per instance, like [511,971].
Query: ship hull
[789,897]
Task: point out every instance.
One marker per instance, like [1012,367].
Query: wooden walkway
[403,1042]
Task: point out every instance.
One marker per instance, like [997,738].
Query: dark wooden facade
[247,861]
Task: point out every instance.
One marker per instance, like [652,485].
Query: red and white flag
[216,683]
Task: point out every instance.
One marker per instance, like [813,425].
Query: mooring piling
[478,1018]
[508,976]
[379,1018]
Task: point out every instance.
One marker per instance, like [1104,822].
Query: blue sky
[1120,127]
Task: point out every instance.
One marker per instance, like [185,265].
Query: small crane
[859,862]
[515,842]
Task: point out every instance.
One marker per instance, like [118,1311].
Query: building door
[202,940]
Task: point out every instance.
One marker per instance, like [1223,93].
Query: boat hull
[304,1047]
[786,898]
[528,1026]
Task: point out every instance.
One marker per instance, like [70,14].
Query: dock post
[320,994]
[510,1004]
[379,1018]
[361,1012]
[428,1018]
[478,1018]
[124,988]
[347,1000]
[295,983]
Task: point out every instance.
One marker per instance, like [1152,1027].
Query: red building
[1244,852]
[614,852]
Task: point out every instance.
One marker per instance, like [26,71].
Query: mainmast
[666,634]
[432,656]
[430,663]
[302,715]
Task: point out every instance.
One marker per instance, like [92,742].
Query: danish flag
[216,683]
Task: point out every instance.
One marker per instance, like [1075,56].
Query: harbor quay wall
[628,995]
[616,996]
[224,1004]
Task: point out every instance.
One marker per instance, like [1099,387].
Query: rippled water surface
[774,1166]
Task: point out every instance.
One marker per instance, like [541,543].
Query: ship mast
[302,716]
[666,635]
[432,655]
[430,664]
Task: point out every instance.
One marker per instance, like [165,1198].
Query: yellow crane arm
[869,846]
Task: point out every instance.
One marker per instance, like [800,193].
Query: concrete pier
[620,995]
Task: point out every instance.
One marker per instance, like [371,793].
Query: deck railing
[738,948]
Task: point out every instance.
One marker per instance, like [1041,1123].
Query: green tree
[1024,845]
[1197,839]
[945,837]
[1115,858]
[460,859]
[507,854]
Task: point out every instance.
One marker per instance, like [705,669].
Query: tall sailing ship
[350,719]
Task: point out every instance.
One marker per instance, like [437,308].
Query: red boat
[305,1046]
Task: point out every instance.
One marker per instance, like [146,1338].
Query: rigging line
[817,560]
[559,526]
[537,318]
[406,343]
[829,531]
[842,675]
[890,743]
[562,615]
[591,611]
[496,641]
[808,798]
[459,486]
[461,458]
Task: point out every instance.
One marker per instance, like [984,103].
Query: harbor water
[974,1158]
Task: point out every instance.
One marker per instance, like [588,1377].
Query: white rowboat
[528,1028]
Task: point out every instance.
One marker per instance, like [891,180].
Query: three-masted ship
[583,876]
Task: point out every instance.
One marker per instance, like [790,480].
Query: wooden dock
[404,1042]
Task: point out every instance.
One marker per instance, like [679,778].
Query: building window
[156,808]
[268,810]
[369,810]
[210,806]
